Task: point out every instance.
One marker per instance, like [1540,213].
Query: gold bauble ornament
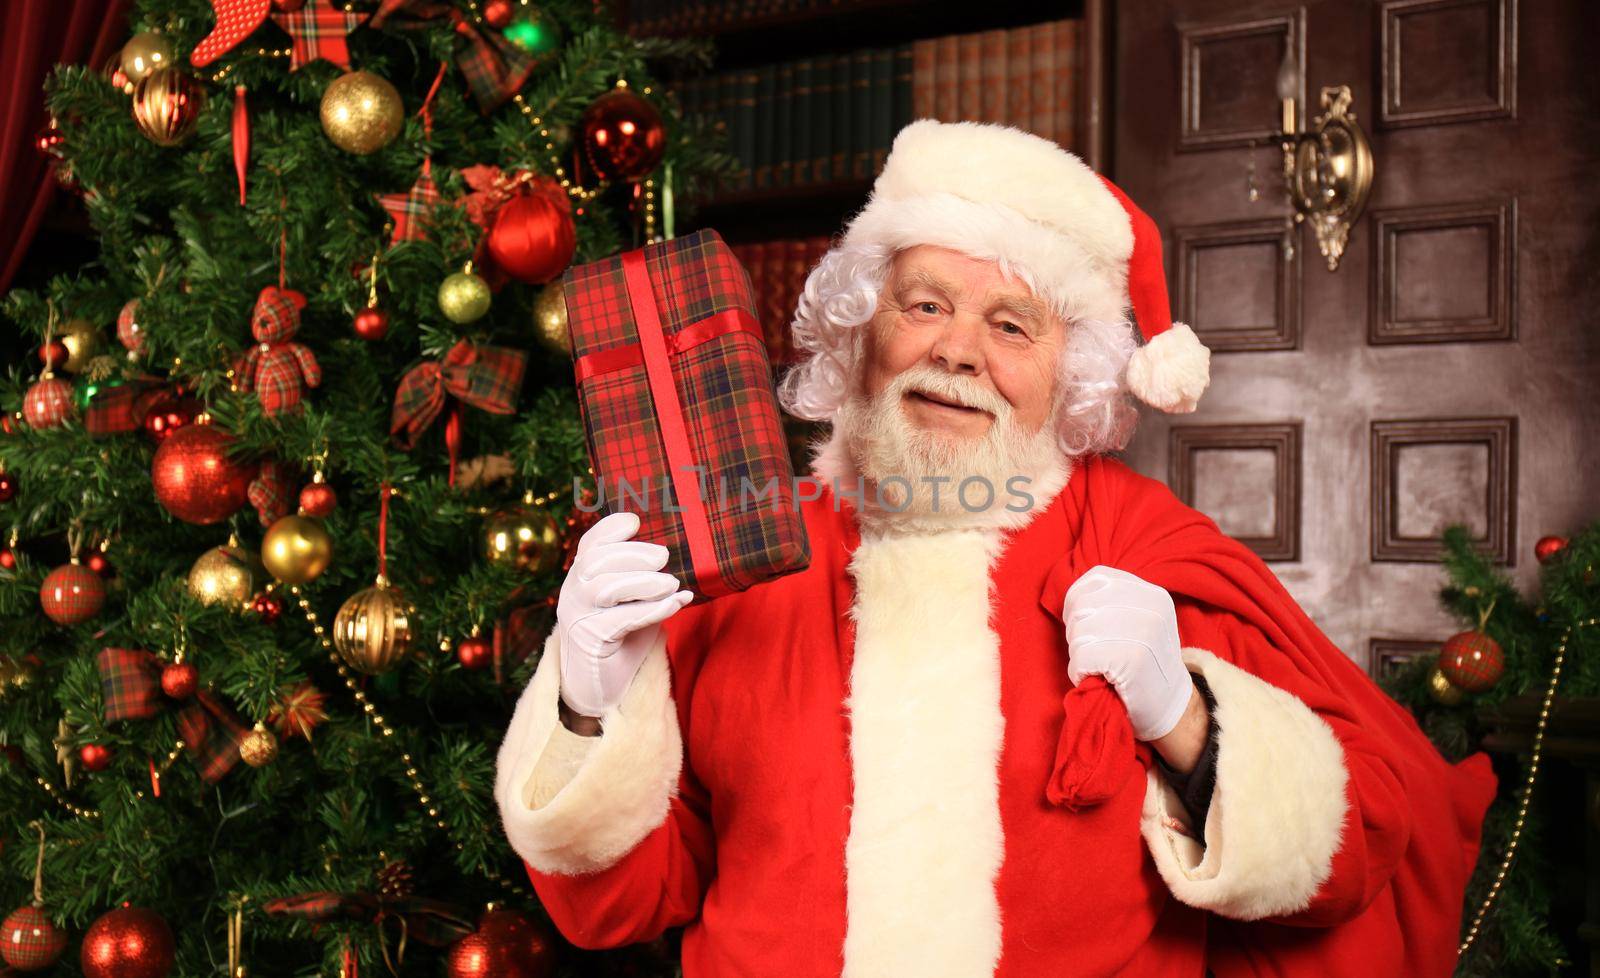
[463,296]
[145,52]
[224,575]
[296,549]
[361,112]
[372,631]
[82,341]
[527,536]
[550,320]
[167,105]
[259,747]
[1444,692]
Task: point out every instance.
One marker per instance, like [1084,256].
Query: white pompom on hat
[998,193]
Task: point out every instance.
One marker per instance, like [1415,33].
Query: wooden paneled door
[1448,370]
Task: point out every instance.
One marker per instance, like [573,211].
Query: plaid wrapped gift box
[678,406]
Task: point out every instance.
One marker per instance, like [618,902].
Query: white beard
[916,479]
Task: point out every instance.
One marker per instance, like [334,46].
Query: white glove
[1124,628]
[610,611]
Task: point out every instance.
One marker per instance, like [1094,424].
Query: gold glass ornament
[166,105]
[1443,690]
[526,535]
[224,575]
[372,631]
[464,296]
[550,320]
[144,53]
[82,341]
[259,747]
[296,549]
[362,112]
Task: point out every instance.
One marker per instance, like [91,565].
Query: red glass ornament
[94,757]
[497,13]
[48,403]
[72,594]
[179,680]
[1472,661]
[97,562]
[129,333]
[1548,547]
[54,354]
[371,323]
[129,942]
[8,558]
[268,606]
[533,237]
[30,940]
[194,478]
[507,944]
[318,499]
[168,415]
[8,487]
[50,141]
[622,136]
[476,652]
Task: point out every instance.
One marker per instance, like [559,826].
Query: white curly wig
[1093,412]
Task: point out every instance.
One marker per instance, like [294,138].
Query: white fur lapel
[925,840]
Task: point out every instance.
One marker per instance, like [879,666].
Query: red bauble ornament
[129,333]
[318,499]
[30,940]
[94,757]
[194,478]
[497,13]
[371,323]
[8,487]
[507,944]
[98,562]
[54,354]
[129,942]
[8,558]
[1548,547]
[72,594]
[169,414]
[50,140]
[1472,661]
[48,403]
[268,606]
[179,680]
[622,136]
[476,652]
[533,237]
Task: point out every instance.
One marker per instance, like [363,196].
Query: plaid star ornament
[408,210]
[319,29]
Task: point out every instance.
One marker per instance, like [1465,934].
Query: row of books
[778,271]
[832,118]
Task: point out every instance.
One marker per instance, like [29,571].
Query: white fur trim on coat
[1171,371]
[570,808]
[1278,811]
[925,843]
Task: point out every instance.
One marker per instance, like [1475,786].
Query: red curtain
[35,35]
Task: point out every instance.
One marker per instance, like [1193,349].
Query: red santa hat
[998,193]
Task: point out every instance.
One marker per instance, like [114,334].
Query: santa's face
[986,337]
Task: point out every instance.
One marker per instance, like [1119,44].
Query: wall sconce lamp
[1328,168]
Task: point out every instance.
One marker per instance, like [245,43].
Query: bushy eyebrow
[1026,306]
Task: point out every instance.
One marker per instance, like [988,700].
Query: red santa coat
[844,773]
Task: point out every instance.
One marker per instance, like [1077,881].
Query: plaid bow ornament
[276,368]
[432,922]
[495,69]
[130,684]
[486,377]
[120,409]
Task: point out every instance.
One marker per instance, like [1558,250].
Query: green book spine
[842,127]
[744,123]
[804,106]
[881,97]
[821,120]
[903,76]
[861,114]
[783,127]
[766,89]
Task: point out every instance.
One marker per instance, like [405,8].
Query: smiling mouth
[938,401]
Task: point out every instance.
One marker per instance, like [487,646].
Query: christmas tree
[289,489]
[1515,649]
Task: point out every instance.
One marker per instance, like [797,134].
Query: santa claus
[1025,713]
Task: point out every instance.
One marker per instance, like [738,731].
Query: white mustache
[925,379]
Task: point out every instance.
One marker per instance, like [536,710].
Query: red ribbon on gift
[486,377]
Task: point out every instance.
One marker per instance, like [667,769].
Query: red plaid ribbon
[495,69]
[120,409]
[409,210]
[319,30]
[486,377]
[130,684]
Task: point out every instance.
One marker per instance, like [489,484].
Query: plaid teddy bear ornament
[275,368]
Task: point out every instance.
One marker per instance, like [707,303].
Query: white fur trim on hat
[1171,371]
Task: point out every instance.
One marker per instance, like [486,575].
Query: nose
[959,345]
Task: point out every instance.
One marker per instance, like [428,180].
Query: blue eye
[935,306]
[1012,328]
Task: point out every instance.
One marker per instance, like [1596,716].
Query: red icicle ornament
[241,138]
